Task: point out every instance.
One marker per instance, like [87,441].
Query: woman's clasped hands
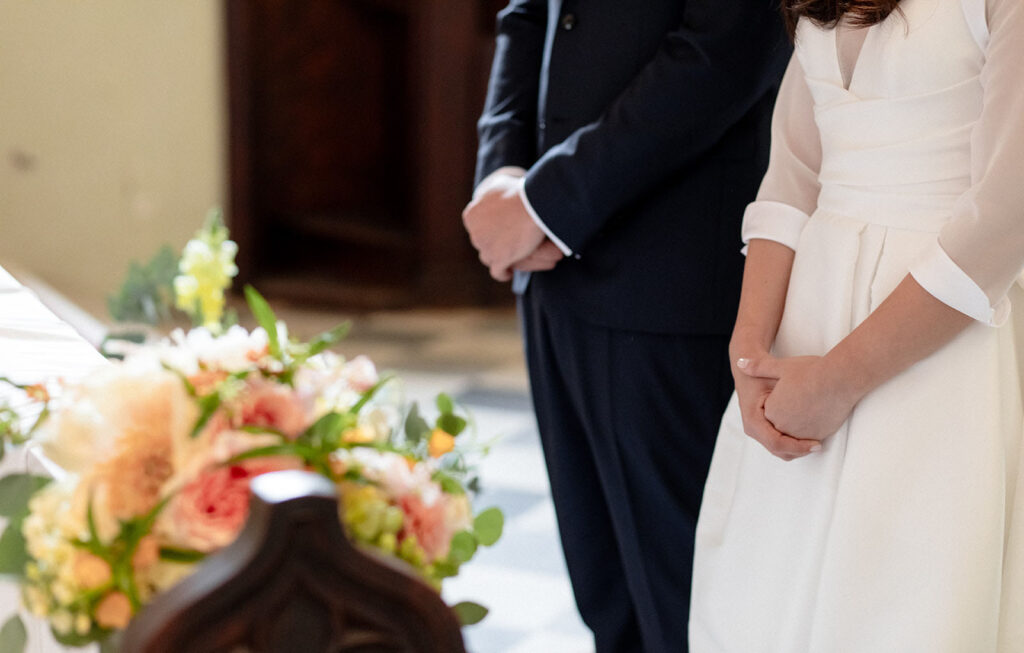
[790,405]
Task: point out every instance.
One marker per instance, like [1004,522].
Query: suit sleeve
[508,127]
[708,73]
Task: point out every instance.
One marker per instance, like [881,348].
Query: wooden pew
[293,583]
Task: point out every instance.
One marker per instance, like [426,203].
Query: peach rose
[209,511]
[114,611]
[90,571]
[272,406]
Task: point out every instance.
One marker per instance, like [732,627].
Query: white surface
[34,346]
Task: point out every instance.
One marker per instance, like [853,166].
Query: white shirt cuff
[498,177]
[940,276]
[775,221]
[540,223]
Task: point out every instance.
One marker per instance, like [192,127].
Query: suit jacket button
[568,22]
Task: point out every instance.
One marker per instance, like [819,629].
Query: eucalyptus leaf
[13,636]
[489,525]
[469,613]
[16,490]
[13,551]
[265,317]
[416,428]
[445,404]
[463,546]
[451,424]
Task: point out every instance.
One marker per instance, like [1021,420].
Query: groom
[620,143]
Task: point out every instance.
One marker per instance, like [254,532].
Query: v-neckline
[865,37]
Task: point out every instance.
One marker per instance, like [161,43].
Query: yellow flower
[207,266]
[359,435]
[441,442]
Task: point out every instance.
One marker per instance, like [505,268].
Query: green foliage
[416,428]
[16,490]
[470,613]
[13,550]
[147,294]
[265,317]
[13,636]
[463,547]
[489,525]
[171,554]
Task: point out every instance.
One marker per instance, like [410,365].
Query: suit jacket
[644,127]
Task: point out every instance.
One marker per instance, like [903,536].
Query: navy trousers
[628,423]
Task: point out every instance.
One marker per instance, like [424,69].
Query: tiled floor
[476,357]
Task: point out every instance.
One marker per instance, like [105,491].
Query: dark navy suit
[644,128]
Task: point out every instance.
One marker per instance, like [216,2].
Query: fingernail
[816,448]
[742,363]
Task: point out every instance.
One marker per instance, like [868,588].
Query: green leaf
[16,490]
[452,424]
[449,484]
[13,551]
[180,555]
[13,636]
[307,453]
[326,431]
[489,525]
[368,395]
[328,338]
[97,634]
[445,569]
[463,546]
[265,317]
[208,405]
[445,404]
[416,428]
[147,294]
[469,613]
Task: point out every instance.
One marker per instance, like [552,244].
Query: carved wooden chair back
[293,583]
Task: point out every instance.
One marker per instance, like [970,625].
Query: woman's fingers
[777,443]
[765,367]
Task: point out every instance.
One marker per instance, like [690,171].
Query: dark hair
[828,13]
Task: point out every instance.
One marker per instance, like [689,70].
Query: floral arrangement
[160,448]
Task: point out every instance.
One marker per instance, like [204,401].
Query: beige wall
[112,132]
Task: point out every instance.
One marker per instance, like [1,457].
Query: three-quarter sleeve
[789,192]
[980,251]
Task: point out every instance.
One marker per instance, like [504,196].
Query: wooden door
[351,148]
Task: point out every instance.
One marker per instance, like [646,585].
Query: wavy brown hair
[861,13]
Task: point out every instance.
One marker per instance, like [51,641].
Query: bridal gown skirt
[905,533]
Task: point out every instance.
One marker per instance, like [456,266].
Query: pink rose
[209,511]
[361,373]
[427,523]
[272,406]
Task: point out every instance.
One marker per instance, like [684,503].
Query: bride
[864,495]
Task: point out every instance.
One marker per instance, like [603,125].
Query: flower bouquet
[159,451]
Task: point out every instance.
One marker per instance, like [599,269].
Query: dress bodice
[896,144]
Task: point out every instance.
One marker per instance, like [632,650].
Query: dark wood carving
[352,140]
[291,582]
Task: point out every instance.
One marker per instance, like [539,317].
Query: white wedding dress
[896,149]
